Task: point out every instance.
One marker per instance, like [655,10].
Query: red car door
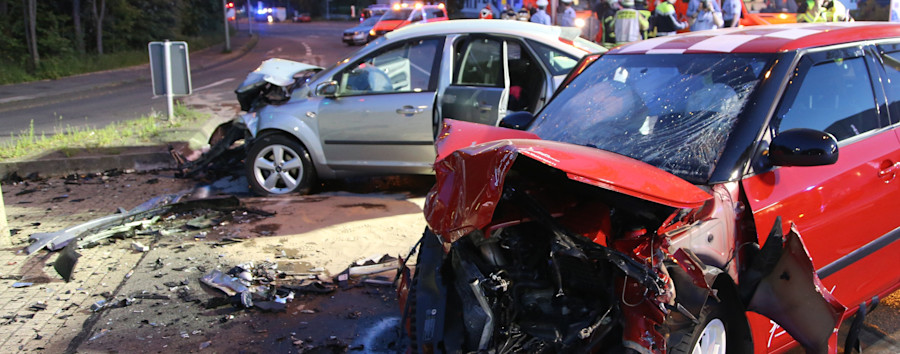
[845,212]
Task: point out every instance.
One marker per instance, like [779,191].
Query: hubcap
[712,339]
[278,169]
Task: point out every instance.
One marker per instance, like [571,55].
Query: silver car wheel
[712,339]
[277,169]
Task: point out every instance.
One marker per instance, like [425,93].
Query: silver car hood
[278,72]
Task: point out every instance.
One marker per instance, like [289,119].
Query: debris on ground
[130,224]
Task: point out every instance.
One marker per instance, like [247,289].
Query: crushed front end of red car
[542,247]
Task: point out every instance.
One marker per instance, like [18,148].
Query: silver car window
[404,68]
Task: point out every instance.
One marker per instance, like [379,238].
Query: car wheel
[279,165]
[707,337]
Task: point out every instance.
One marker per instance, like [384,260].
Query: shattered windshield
[673,111]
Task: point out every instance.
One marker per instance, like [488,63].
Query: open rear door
[479,91]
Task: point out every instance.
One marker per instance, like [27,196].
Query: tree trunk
[76,20]
[30,20]
[98,23]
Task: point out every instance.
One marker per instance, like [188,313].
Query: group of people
[536,15]
[622,22]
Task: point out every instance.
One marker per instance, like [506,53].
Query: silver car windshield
[673,111]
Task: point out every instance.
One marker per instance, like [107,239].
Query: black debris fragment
[38,306]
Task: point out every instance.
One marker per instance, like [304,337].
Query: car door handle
[409,110]
[485,107]
[889,171]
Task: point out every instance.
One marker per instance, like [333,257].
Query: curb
[144,161]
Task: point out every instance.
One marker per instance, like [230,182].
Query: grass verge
[146,130]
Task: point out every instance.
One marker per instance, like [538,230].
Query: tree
[76,23]
[98,22]
[30,19]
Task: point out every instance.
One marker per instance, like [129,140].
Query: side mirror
[803,147]
[327,89]
[517,120]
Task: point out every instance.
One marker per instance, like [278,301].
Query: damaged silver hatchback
[378,111]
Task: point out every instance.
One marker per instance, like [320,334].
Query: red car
[402,14]
[726,190]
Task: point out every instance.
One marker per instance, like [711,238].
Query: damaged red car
[730,190]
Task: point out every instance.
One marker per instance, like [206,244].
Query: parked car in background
[378,110]
[302,17]
[402,14]
[359,35]
[374,10]
[731,190]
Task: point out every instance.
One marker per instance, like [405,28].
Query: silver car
[377,111]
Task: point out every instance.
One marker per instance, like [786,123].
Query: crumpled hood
[277,72]
[472,166]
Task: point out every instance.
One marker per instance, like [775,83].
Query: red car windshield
[672,111]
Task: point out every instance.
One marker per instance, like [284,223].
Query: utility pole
[225,20]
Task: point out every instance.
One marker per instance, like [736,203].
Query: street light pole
[250,17]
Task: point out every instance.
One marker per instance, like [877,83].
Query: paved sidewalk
[50,313]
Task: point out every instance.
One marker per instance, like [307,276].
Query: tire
[277,164]
[708,337]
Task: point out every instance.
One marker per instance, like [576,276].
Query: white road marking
[307,47]
[217,83]
[15,98]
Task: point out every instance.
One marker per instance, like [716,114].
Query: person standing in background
[706,17]
[731,12]
[567,16]
[541,16]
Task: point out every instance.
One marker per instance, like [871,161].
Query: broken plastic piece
[137,246]
[22,284]
[228,284]
[97,306]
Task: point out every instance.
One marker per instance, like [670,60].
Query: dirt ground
[309,239]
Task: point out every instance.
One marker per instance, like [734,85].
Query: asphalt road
[127,94]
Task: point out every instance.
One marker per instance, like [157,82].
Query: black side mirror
[517,120]
[327,89]
[803,147]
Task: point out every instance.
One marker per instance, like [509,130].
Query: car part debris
[65,263]
[137,246]
[54,241]
[226,283]
[21,284]
[221,155]
[38,306]
[372,265]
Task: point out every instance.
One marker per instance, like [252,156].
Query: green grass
[146,130]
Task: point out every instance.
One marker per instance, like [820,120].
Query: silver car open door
[382,114]
[479,91]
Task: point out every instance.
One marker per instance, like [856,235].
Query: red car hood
[473,160]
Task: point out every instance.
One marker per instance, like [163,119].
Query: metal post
[250,15]
[327,10]
[4,226]
[225,20]
[167,52]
